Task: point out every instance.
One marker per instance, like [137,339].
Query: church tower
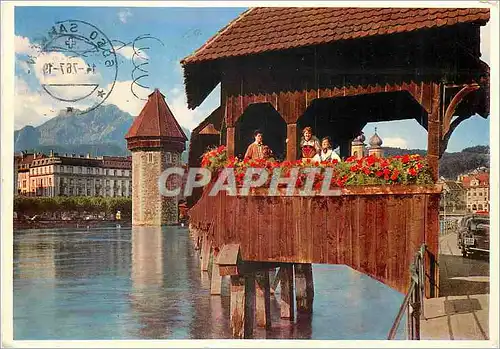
[156,141]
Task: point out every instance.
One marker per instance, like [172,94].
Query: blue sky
[181,31]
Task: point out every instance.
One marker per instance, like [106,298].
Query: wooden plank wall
[375,234]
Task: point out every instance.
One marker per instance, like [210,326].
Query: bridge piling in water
[216,281]
[205,252]
[286,297]
[263,299]
[304,287]
[242,305]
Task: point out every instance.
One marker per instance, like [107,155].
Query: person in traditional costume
[309,144]
[326,153]
[255,150]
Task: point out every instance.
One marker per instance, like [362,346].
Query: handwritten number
[61,65]
[109,63]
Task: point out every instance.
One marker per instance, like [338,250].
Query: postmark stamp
[78,64]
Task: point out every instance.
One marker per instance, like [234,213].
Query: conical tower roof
[156,120]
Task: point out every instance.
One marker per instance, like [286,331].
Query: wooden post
[345,148]
[434,124]
[304,288]
[291,146]
[263,299]
[205,253]
[230,141]
[434,130]
[216,282]
[249,305]
[242,305]
[286,299]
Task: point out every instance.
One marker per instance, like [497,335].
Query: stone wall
[149,207]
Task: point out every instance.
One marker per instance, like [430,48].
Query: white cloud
[186,117]
[25,47]
[395,142]
[124,14]
[124,99]
[128,52]
[36,107]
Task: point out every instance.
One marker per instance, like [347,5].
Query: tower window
[150,157]
[168,157]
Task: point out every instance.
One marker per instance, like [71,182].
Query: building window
[174,158]
[480,194]
[24,184]
[168,157]
[71,181]
[106,172]
[50,182]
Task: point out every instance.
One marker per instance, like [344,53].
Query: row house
[54,175]
[477,187]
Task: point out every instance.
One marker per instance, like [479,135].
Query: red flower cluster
[214,158]
[370,170]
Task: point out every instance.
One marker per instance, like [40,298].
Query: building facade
[55,175]
[477,187]
[453,196]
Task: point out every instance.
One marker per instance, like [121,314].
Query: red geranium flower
[412,171]
[395,175]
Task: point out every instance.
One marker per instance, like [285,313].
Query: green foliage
[30,206]
[452,164]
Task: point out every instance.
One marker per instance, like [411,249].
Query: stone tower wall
[149,207]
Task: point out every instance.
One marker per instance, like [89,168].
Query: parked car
[474,235]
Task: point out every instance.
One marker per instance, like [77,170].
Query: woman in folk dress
[309,144]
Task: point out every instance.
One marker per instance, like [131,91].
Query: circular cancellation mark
[79,65]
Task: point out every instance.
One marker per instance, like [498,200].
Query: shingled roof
[156,120]
[259,30]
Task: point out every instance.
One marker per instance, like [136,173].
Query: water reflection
[146,283]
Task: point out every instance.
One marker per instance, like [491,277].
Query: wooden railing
[413,303]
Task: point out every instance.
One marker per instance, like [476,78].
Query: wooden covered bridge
[334,69]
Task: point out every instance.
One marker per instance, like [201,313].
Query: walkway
[462,311]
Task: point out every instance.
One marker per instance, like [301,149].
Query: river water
[146,283]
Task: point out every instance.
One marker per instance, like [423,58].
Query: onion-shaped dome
[375,140]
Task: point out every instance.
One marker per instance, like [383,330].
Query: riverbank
[78,223]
